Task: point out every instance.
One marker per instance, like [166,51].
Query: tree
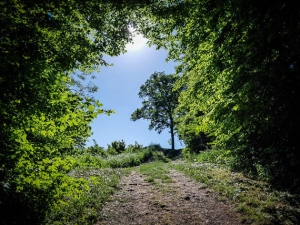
[240,63]
[159,104]
[186,121]
[46,48]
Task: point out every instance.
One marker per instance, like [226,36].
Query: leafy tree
[46,49]
[240,63]
[159,104]
[186,122]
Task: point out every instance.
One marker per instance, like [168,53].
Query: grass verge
[85,208]
[254,199]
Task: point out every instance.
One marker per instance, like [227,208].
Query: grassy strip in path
[254,199]
[156,172]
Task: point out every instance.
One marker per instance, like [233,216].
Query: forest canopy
[240,63]
[238,67]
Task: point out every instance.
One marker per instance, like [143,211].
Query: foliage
[186,153]
[216,156]
[186,122]
[95,150]
[116,147]
[86,207]
[239,64]
[159,103]
[46,50]
[89,160]
[122,160]
[134,148]
[155,147]
[129,159]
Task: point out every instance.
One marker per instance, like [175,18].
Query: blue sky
[118,90]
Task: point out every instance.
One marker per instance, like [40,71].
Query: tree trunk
[172,133]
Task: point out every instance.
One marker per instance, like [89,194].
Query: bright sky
[118,90]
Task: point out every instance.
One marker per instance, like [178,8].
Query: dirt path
[179,202]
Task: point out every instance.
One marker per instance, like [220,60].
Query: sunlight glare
[138,41]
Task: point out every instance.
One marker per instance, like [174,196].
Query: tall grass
[122,160]
[84,209]
[129,159]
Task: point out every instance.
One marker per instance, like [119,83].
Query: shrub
[134,148]
[188,154]
[89,160]
[217,156]
[96,150]
[160,156]
[155,147]
[84,204]
[116,147]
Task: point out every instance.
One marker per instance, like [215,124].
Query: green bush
[134,148]
[116,147]
[96,150]
[160,156]
[196,143]
[186,153]
[89,160]
[155,147]
[111,151]
[217,156]
[85,205]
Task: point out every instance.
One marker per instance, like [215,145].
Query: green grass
[216,156]
[156,173]
[256,200]
[85,208]
[115,161]
[155,170]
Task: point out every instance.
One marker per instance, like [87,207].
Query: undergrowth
[114,161]
[85,208]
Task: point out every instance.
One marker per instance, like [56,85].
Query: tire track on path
[179,202]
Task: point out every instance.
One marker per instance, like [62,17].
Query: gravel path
[179,202]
